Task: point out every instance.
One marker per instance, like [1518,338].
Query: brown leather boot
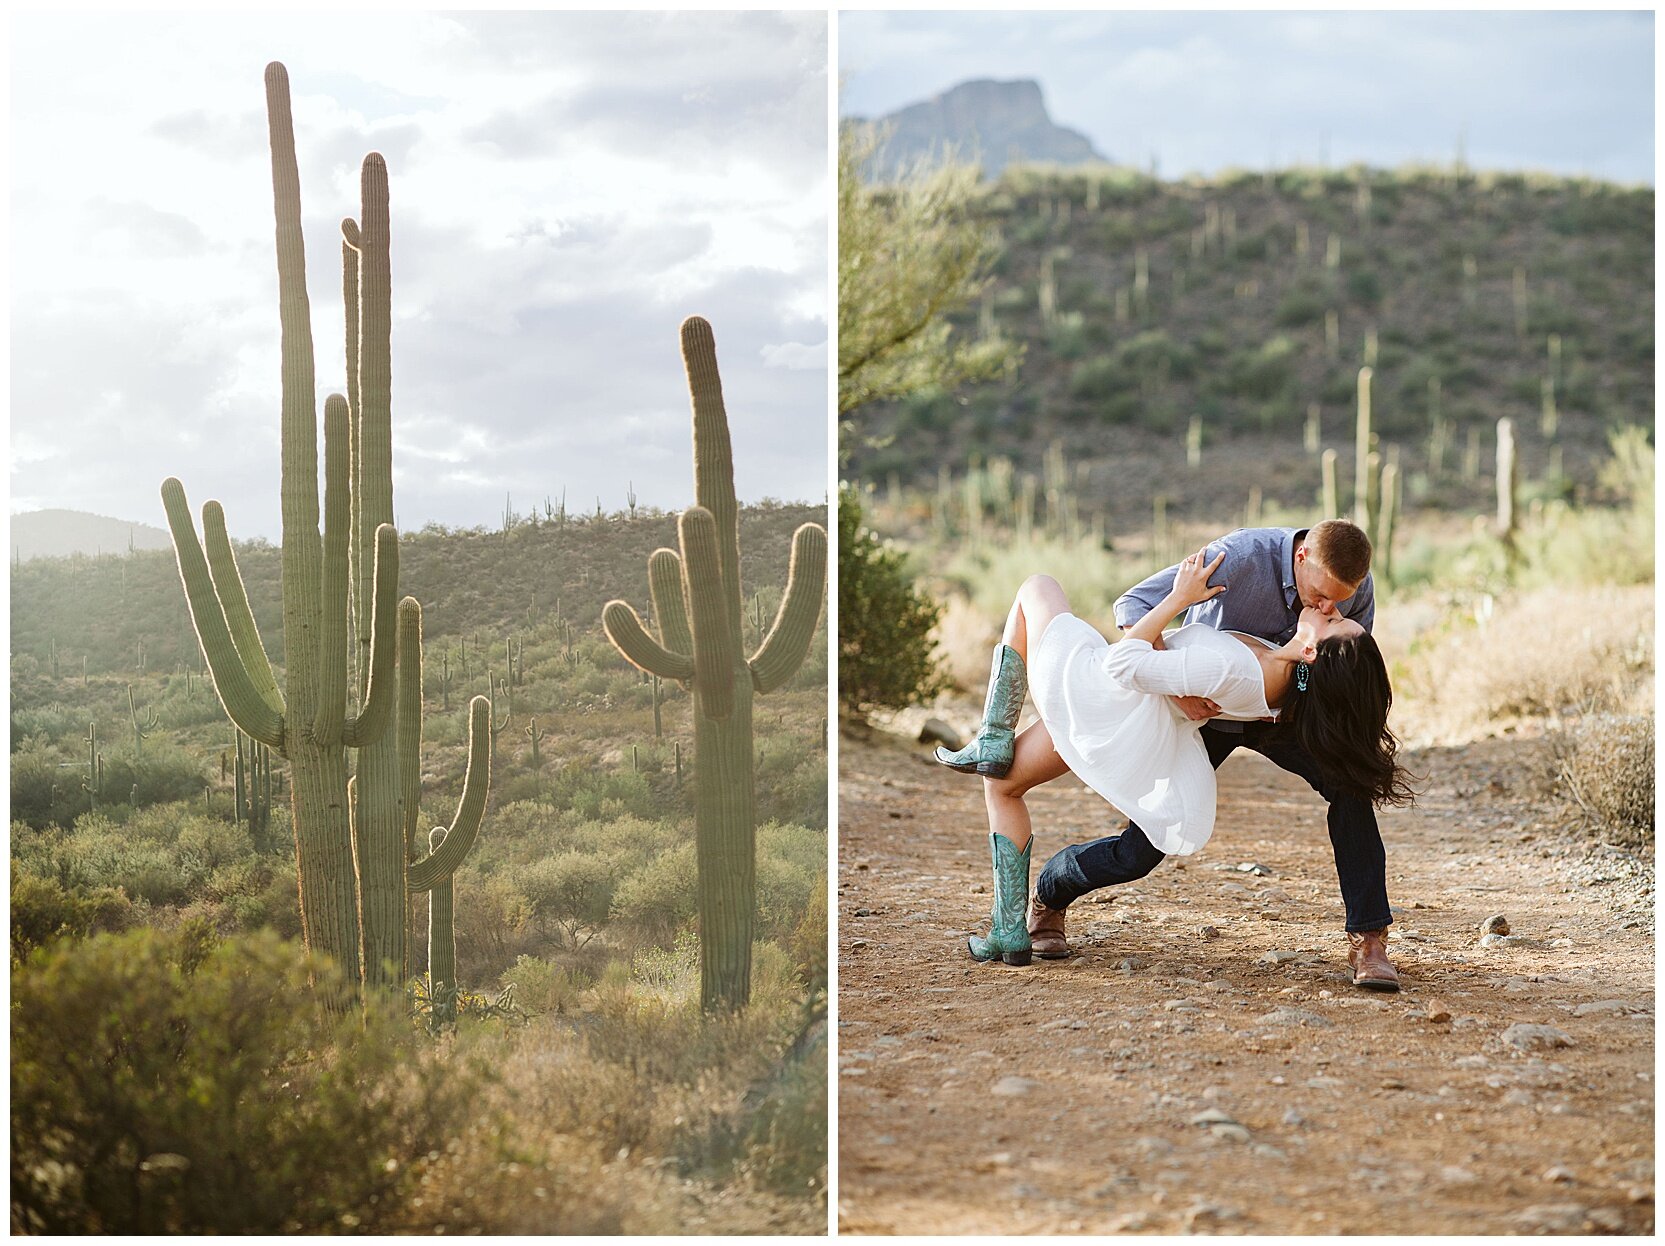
[1046,930]
[1367,954]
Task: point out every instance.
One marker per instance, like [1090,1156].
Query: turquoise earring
[1302,670]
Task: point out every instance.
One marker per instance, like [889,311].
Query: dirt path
[1070,1096]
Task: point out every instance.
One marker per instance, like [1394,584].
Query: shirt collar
[1289,540]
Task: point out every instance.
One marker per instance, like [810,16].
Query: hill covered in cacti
[1203,338]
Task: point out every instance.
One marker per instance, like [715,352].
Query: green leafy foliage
[885,651]
[161,1084]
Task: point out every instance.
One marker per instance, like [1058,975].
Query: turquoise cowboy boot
[1008,937]
[990,750]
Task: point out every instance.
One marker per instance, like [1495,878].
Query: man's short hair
[1341,548]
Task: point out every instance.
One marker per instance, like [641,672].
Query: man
[1270,574]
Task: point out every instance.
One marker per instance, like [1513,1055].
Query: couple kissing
[1274,654]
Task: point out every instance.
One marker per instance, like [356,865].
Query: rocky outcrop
[993,123]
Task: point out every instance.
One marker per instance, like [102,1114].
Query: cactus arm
[228,586]
[714,639]
[379,696]
[713,451]
[670,609]
[783,650]
[642,651]
[238,691]
[410,718]
[440,864]
[358,575]
[332,618]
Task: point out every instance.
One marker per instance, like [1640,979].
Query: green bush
[886,656]
[163,1084]
[44,910]
[658,899]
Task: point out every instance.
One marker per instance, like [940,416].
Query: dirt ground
[1174,1079]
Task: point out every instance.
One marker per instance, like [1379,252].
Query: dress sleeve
[1194,671]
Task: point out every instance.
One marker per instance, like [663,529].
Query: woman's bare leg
[1034,762]
[1039,600]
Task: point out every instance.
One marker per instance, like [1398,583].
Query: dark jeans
[1360,861]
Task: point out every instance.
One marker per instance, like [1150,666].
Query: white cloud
[797,356]
[566,187]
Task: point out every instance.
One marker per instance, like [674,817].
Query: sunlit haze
[566,188]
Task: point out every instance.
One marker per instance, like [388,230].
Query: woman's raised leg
[1039,600]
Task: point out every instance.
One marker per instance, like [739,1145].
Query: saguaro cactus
[1364,500]
[697,610]
[341,841]
[448,845]
[143,724]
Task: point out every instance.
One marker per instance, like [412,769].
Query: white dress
[1108,711]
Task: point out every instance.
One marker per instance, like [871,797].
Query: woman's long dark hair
[1341,721]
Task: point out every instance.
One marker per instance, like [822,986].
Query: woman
[1106,715]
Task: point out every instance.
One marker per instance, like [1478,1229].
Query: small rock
[988,1163]
[1014,1087]
[1153,1147]
[1603,1007]
[1525,1037]
[1210,1213]
[1212,1116]
[1497,923]
[935,731]
[1208,932]
[856,944]
[1450,1174]
[1257,869]
[1276,958]
[1294,1119]
[1229,1133]
[1437,1010]
[1393,1083]
[1295,1016]
[1559,1175]
[864,912]
[1553,1218]
[1133,963]
[1639,1194]
[1508,941]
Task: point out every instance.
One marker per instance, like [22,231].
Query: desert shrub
[1262,373]
[791,864]
[43,910]
[1300,306]
[1606,769]
[163,1084]
[885,652]
[787,1142]
[570,893]
[1364,285]
[1096,380]
[1538,654]
[541,986]
[808,944]
[43,792]
[493,926]
[658,899]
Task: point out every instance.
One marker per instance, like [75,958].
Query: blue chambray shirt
[1260,599]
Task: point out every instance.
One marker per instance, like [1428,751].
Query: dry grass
[1606,768]
[1492,663]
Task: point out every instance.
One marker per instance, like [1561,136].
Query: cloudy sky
[566,188]
[1566,92]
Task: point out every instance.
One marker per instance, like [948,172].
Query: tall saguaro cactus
[697,610]
[340,589]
